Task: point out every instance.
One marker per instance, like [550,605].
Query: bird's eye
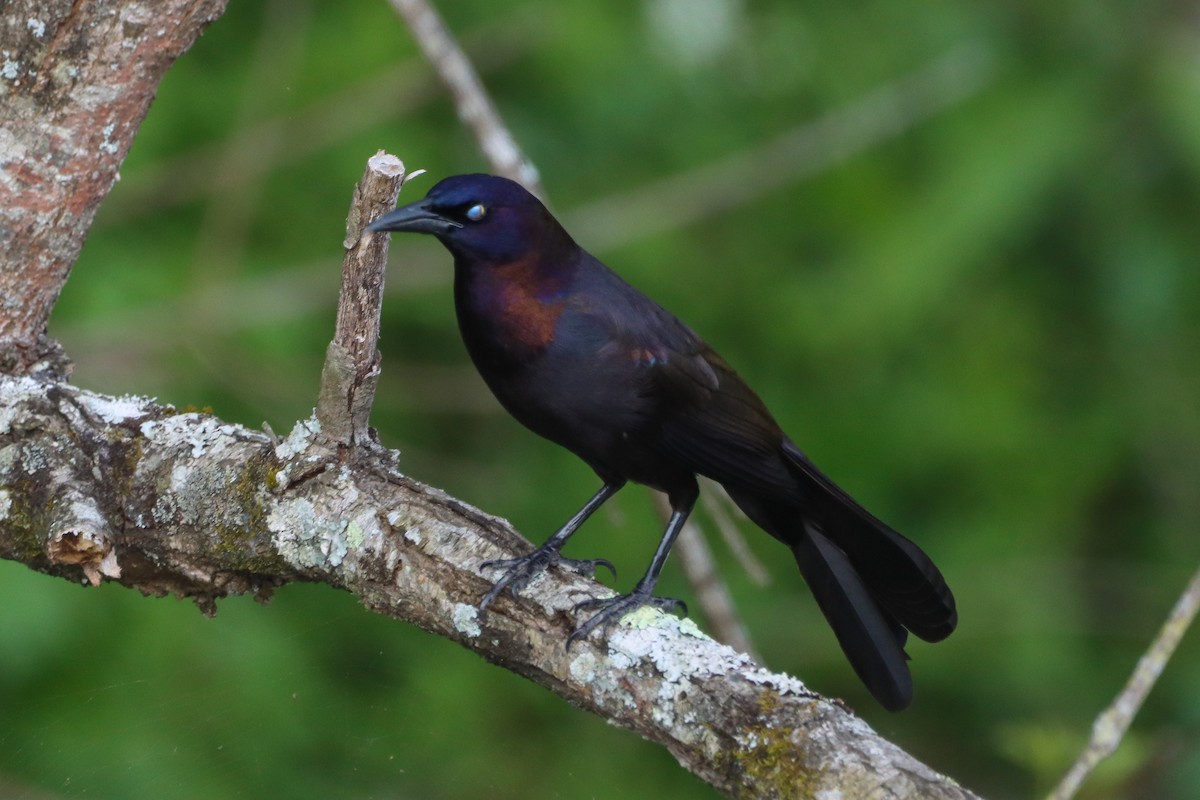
[476,212]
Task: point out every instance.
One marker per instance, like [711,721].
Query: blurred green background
[954,246]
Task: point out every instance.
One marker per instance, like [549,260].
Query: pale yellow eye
[476,212]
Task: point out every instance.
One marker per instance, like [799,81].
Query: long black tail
[872,584]
[902,579]
[873,642]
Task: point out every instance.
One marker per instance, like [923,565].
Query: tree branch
[184,504]
[78,79]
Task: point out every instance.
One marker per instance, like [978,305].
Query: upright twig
[474,106]
[351,369]
[1109,728]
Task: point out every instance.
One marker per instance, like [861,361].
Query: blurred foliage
[974,301]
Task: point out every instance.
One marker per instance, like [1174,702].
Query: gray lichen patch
[118,410]
[206,474]
[194,492]
[335,531]
[666,658]
[17,392]
[782,683]
[660,665]
[674,647]
[298,451]
[204,434]
[305,536]
[466,620]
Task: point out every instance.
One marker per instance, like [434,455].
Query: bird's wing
[713,422]
[696,408]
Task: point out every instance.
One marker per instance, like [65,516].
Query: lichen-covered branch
[123,489]
[77,80]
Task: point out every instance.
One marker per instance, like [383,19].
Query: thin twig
[474,106]
[1109,728]
[721,509]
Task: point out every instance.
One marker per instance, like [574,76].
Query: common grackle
[582,358]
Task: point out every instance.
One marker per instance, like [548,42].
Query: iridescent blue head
[480,219]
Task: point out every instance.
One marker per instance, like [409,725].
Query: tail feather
[872,641]
[901,577]
[873,585]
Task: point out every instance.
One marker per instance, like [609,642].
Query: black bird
[582,358]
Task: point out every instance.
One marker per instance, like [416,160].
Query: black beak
[416,217]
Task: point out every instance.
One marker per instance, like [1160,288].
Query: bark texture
[76,79]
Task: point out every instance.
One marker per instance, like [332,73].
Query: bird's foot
[613,608]
[518,572]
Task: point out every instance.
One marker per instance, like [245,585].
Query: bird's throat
[509,309]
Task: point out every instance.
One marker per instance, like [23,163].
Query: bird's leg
[519,571]
[613,608]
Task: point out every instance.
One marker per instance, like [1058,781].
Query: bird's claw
[518,572]
[612,609]
[587,567]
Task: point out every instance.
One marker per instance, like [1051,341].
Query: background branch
[475,107]
[1110,727]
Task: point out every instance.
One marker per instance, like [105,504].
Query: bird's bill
[414,218]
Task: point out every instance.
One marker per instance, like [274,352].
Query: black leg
[613,608]
[519,571]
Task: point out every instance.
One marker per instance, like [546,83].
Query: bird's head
[480,219]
